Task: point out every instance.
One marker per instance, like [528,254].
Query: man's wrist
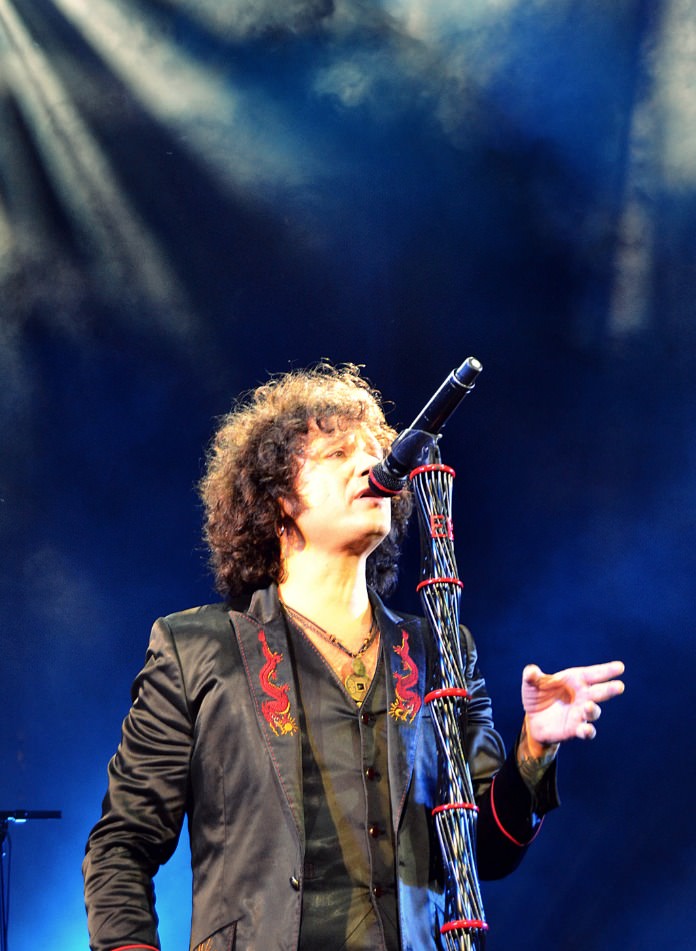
[533,758]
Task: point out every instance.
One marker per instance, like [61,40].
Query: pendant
[357,683]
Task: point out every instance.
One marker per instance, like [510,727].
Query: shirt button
[367,718]
[295,882]
[371,773]
[377,890]
[375,830]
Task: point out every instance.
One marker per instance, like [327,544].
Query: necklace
[356,680]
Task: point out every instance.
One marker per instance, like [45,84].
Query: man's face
[338,514]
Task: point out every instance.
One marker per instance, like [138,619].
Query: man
[273,723]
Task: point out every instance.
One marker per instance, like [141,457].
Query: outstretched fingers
[601,673]
[601,686]
[603,692]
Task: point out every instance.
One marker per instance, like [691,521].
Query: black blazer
[212,734]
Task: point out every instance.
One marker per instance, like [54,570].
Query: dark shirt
[349,896]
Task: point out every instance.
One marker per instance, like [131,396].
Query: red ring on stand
[454,805]
[464,924]
[422,584]
[432,467]
[446,692]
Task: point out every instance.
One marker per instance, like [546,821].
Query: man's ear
[285,508]
[285,522]
[286,527]
[289,508]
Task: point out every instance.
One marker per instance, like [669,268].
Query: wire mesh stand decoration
[456,814]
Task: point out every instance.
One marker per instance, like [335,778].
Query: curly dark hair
[253,462]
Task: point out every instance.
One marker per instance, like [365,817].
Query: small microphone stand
[18,817]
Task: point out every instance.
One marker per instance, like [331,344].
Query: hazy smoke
[244,19]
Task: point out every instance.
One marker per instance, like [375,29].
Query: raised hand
[564,705]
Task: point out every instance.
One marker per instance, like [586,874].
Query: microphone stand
[17,816]
[455,815]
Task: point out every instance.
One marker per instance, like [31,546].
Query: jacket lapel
[262,637]
[406,684]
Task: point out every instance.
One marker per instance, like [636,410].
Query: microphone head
[383,483]
[466,374]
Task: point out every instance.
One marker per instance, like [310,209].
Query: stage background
[195,194]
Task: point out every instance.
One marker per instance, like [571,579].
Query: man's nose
[365,460]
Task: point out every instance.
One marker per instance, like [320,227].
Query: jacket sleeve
[144,807]
[510,815]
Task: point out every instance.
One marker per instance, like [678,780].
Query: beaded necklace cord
[356,681]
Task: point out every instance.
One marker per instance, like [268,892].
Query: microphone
[410,448]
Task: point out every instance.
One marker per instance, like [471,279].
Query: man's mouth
[367,493]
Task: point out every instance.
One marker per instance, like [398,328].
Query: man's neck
[331,592]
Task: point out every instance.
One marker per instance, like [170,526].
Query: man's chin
[378,537]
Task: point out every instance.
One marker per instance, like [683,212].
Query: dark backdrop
[193,195]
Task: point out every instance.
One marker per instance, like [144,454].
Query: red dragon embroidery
[407,703]
[277,710]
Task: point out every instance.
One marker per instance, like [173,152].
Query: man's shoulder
[394,615]
[204,619]
[214,618]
